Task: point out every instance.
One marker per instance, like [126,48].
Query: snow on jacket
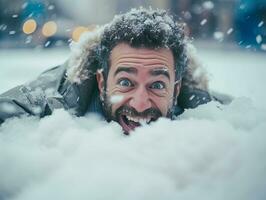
[73,86]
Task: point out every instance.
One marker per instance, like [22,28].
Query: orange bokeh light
[29,26]
[49,28]
[78,31]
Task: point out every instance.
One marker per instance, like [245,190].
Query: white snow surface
[212,152]
[20,66]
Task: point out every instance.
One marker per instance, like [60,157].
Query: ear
[177,88]
[100,81]
[177,91]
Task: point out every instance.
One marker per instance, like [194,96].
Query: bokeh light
[49,28]
[29,26]
[78,31]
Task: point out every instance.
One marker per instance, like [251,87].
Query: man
[132,71]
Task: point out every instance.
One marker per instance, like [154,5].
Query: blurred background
[55,23]
[230,37]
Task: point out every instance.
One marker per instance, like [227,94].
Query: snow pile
[212,152]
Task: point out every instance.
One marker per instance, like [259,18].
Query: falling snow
[203,22]
[47,43]
[24,5]
[208,5]
[12,32]
[263,47]
[3,27]
[28,39]
[191,98]
[51,7]
[218,36]
[261,24]
[230,31]
[258,39]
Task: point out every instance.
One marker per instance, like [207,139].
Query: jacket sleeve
[190,98]
[36,98]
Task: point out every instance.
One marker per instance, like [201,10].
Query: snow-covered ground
[20,66]
[212,152]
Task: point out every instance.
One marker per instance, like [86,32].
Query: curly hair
[144,28]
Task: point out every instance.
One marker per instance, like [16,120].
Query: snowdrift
[213,152]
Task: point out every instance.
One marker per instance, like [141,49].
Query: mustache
[151,112]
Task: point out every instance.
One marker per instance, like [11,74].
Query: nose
[140,100]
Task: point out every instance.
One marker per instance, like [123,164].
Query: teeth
[135,120]
[139,120]
[143,121]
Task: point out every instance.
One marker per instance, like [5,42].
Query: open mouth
[129,118]
[129,123]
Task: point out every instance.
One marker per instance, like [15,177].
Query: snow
[212,152]
[191,98]
[156,23]
[237,73]
[258,39]
[20,66]
[24,5]
[47,43]
[261,24]
[203,22]
[15,16]
[12,32]
[229,31]
[3,27]
[263,47]
[187,15]
[51,7]
[116,98]
[8,108]
[208,5]
[218,36]
[28,39]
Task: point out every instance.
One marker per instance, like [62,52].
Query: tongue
[133,125]
[128,125]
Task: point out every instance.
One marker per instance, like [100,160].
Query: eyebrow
[160,71]
[154,72]
[130,70]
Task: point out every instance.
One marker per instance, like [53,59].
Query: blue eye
[125,83]
[158,85]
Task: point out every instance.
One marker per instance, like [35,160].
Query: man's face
[140,85]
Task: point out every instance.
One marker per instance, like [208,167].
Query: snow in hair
[146,28]
[139,28]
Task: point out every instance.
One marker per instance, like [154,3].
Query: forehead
[124,54]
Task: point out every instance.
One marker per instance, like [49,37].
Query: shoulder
[31,98]
[190,98]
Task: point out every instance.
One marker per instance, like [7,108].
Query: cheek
[117,100]
[163,104]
